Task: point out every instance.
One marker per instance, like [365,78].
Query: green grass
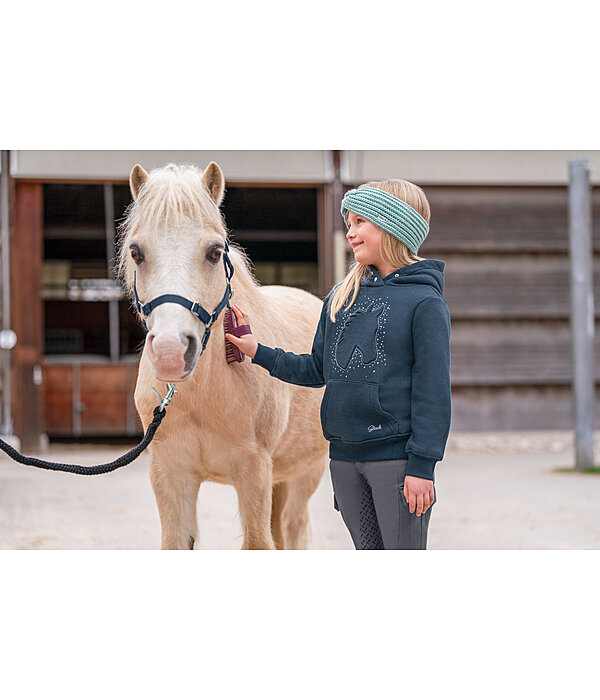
[593,469]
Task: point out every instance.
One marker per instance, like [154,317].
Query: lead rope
[159,413]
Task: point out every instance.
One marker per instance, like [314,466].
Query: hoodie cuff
[420,466]
[265,357]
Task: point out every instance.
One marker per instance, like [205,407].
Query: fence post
[582,311]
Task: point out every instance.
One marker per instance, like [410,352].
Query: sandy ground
[495,491]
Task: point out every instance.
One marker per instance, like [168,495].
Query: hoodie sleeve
[430,403]
[305,369]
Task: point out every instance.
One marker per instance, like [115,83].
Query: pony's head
[173,239]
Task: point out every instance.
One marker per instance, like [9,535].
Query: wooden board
[514,408]
[503,219]
[506,353]
[508,287]
[93,400]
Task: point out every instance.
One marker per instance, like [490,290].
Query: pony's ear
[137,177]
[214,181]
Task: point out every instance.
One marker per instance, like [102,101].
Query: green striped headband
[389,213]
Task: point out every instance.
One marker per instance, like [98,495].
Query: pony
[228,423]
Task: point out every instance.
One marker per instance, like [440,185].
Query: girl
[382,349]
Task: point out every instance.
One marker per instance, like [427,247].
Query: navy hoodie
[385,363]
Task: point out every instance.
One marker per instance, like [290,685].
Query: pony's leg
[295,514]
[279,499]
[176,495]
[254,486]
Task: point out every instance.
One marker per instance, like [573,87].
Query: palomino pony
[229,423]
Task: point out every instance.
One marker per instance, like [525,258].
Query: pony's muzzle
[172,356]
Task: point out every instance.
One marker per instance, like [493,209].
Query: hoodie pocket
[351,411]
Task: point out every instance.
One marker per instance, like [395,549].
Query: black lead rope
[159,414]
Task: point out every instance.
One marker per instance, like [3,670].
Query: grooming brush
[232,352]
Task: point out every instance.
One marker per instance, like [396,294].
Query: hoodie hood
[430,272]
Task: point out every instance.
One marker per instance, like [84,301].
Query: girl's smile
[363,236]
[365,239]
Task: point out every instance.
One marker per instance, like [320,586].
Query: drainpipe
[8,338]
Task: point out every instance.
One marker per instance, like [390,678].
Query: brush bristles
[232,352]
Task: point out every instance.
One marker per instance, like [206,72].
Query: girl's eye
[137,254]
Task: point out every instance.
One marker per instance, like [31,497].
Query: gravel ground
[495,491]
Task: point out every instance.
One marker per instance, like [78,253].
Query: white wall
[241,166]
[423,167]
[466,167]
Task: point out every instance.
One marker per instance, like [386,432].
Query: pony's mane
[170,195]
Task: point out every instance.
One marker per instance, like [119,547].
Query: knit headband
[389,213]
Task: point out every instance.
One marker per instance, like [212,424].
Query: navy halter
[194,306]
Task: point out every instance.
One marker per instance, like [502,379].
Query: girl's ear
[137,178]
[214,181]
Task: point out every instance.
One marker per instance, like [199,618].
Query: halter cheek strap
[194,307]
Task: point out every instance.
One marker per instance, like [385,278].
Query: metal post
[582,311]
[7,336]
[113,304]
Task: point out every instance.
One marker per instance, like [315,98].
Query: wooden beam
[27,312]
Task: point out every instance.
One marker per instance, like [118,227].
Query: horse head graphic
[359,332]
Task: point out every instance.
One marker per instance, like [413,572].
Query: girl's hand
[246,343]
[419,493]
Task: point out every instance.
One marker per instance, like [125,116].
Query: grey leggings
[370,498]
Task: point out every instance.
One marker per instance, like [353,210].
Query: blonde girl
[382,350]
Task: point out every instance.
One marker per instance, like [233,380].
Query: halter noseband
[194,306]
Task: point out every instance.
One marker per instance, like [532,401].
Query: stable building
[499,220]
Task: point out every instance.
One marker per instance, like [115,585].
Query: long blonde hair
[393,250]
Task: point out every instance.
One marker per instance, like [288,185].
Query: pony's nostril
[190,352]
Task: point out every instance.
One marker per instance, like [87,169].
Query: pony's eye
[136,254]
[215,254]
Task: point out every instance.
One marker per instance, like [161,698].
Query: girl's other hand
[246,343]
[419,493]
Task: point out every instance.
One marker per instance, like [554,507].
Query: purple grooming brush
[232,352]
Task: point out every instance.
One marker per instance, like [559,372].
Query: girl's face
[365,238]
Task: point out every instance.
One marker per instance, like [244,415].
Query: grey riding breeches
[371,501]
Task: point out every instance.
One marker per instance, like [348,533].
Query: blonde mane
[171,196]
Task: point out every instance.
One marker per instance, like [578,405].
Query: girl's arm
[305,369]
[430,393]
